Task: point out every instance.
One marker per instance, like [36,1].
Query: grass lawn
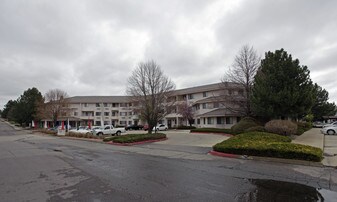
[131,138]
[268,145]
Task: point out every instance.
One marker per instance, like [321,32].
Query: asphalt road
[44,168]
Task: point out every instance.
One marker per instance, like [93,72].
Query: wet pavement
[45,168]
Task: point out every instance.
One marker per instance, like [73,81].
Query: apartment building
[101,110]
[208,107]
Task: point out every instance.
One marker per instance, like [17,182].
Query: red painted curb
[136,143]
[215,153]
[224,134]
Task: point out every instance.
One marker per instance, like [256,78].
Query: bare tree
[241,74]
[55,105]
[186,111]
[150,88]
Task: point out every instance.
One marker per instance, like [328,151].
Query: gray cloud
[91,47]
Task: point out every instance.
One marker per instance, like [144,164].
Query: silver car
[329,130]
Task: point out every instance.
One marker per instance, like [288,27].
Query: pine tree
[282,88]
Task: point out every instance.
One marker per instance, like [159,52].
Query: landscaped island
[132,138]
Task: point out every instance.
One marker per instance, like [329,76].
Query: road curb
[267,159]
[136,143]
[215,153]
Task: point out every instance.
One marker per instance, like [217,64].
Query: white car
[109,130]
[81,129]
[330,124]
[160,127]
[329,130]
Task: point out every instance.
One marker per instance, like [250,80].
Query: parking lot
[181,142]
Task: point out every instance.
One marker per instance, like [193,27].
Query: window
[197,106]
[216,105]
[204,105]
[130,113]
[75,113]
[113,113]
[85,104]
[204,94]
[106,113]
[98,114]
[130,122]
[184,97]
[87,114]
[123,104]
[123,123]
[209,120]
[198,121]
[238,119]
[107,128]
[106,122]
[98,105]
[230,92]
[115,105]
[105,104]
[97,123]
[220,120]
[123,113]
[229,120]
[190,96]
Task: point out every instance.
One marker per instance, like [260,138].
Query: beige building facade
[209,110]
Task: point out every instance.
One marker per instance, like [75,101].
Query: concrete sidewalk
[315,138]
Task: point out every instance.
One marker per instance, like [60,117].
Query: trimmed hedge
[213,130]
[256,129]
[46,131]
[184,127]
[268,145]
[281,127]
[83,135]
[244,124]
[130,138]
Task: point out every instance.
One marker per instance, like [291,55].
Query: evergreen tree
[282,88]
[321,106]
[25,109]
[8,107]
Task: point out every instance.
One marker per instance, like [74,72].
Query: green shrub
[108,139]
[302,127]
[213,130]
[256,129]
[130,138]
[268,145]
[184,127]
[46,131]
[244,124]
[281,127]
[261,136]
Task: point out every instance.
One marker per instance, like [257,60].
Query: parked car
[329,130]
[134,127]
[330,124]
[160,127]
[317,124]
[108,130]
[146,127]
[81,129]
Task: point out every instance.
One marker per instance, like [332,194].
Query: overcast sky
[89,47]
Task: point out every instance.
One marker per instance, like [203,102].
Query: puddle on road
[271,190]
